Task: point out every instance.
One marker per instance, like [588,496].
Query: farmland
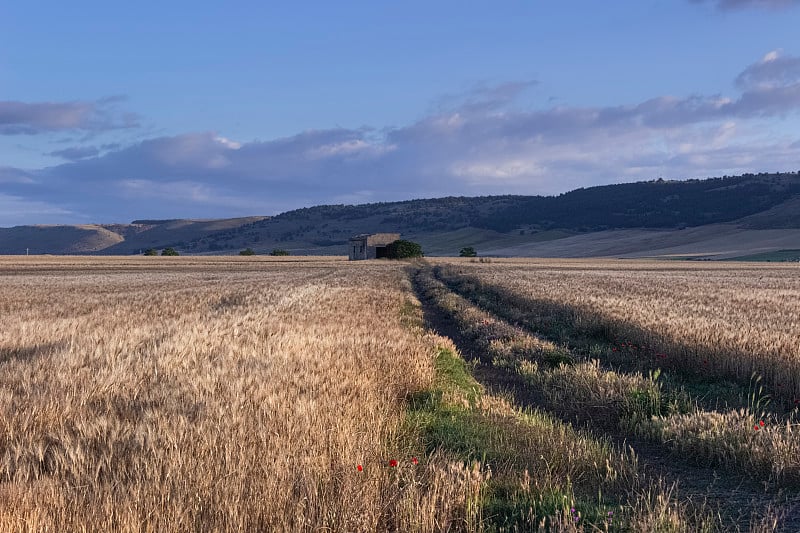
[300,394]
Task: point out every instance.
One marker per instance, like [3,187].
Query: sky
[111,111]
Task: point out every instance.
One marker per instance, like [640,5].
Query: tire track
[738,498]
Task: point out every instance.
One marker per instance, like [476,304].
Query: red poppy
[756,428]
[414,460]
[761,423]
[360,468]
[393,462]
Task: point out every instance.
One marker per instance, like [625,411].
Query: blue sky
[112,112]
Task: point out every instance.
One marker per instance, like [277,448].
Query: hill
[711,218]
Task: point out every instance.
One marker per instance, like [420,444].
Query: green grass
[531,468]
[777,256]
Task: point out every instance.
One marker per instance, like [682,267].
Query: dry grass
[213,395]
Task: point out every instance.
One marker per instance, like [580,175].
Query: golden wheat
[214,395]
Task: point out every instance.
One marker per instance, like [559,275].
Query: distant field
[714,241]
[309,394]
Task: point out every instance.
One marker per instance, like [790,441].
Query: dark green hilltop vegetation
[546,226]
[653,204]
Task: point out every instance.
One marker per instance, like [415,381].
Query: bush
[469,251]
[401,249]
[150,251]
[278,251]
[169,251]
[247,251]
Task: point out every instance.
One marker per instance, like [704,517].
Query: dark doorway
[380,252]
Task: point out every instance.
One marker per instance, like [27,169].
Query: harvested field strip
[619,403]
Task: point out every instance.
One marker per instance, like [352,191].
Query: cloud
[774,70]
[727,5]
[76,152]
[22,118]
[10,175]
[482,144]
[483,97]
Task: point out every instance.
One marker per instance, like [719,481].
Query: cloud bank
[470,144]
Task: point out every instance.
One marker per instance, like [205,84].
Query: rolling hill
[715,218]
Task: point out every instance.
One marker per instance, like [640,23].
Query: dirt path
[735,496]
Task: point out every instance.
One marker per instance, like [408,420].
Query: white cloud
[233,145]
[774,71]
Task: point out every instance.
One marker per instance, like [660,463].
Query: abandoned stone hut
[371,246]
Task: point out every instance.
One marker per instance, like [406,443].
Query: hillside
[713,218]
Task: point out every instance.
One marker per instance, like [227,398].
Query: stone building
[370,246]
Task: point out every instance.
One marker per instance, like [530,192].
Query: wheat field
[724,319]
[309,394]
[212,395]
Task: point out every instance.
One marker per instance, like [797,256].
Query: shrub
[278,251]
[169,251]
[402,249]
[150,251]
[469,251]
[247,251]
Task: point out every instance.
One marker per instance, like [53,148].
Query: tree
[402,249]
[169,251]
[278,251]
[150,251]
[469,251]
[247,251]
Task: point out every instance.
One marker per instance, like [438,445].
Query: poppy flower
[393,463]
[414,460]
[761,423]
[756,428]
[360,468]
